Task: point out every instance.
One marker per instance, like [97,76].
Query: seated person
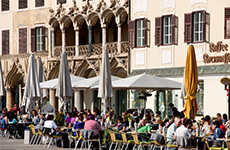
[12,120]
[171,131]
[80,124]
[183,131]
[93,125]
[143,127]
[218,133]
[120,125]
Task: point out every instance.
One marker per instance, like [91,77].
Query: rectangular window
[167,30]
[5,5]
[39,39]
[22,40]
[22,4]
[5,42]
[39,3]
[198,27]
[140,33]
[227,23]
[61,1]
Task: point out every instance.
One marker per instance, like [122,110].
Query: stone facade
[80,28]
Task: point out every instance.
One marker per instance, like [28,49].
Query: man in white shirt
[183,130]
[172,129]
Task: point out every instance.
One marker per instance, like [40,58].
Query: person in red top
[222,127]
[16,108]
[93,125]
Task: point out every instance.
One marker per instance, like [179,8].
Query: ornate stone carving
[126,4]
[59,12]
[112,48]
[124,47]
[96,49]
[70,50]
[83,50]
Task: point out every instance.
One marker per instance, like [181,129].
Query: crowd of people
[174,127]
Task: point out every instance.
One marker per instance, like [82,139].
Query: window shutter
[147,32]
[206,26]
[188,28]
[174,29]
[132,36]
[22,4]
[5,42]
[158,31]
[23,40]
[5,5]
[44,38]
[33,39]
[39,3]
[227,23]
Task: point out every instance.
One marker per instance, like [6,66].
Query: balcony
[96,49]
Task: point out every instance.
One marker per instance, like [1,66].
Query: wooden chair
[228,144]
[140,144]
[77,138]
[169,146]
[125,141]
[212,148]
[114,141]
[35,135]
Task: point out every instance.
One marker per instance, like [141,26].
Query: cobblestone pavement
[18,144]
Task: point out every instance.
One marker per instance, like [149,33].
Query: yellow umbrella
[190,82]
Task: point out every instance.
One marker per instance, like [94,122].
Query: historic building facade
[46,28]
[160,32]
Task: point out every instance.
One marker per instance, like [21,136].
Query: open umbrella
[2,88]
[190,83]
[32,89]
[64,88]
[146,82]
[52,84]
[91,83]
[105,85]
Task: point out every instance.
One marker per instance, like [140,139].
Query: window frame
[5,29]
[163,34]
[199,24]
[39,6]
[6,11]
[41,38]
[27,44]
[23,9]
[143,31]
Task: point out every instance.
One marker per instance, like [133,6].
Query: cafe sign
[218,47]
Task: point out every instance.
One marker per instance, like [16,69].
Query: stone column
[63,39]
[76,41]
[52,42]
[103,36]
[90,28]
[78,100]
[52,98]
[10,97]
[119,38]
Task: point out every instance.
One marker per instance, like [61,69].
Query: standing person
[171,105]
[171,131]
[16,108]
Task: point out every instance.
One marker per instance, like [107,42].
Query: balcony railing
[96,49]
[70,50]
